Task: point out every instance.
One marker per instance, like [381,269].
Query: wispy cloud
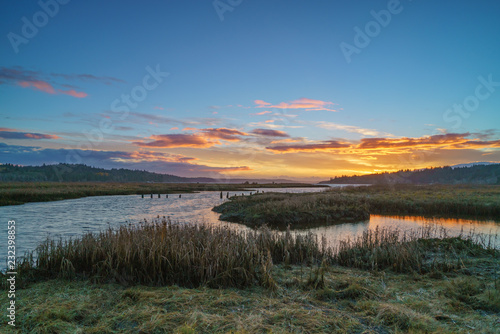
[426,141]
[176,140]
[262,113]
[46,87]
[302,103]
[348,128]
[223,133]
[270,125]
[327,145]
[270,133]
[386,146]
[48,82]
[88,77]
[7,133]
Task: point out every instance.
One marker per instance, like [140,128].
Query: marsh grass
[280,210]
[338,205]
[291,282]
[162,253]
[424,250]
[165,253]
[442,200]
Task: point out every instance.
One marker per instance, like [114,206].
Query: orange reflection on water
[453,227]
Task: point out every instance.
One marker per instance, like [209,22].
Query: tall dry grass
[423,250]
[166,253]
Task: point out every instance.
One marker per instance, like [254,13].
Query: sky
[250,88]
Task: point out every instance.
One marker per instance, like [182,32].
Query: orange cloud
[302,103]
[176,140]
[436,140]
[201,139]
[322,146]
[46,87]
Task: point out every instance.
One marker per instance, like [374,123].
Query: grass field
[13,193]
[259,282]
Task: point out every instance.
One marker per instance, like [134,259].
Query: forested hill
[478,174]
[83,173]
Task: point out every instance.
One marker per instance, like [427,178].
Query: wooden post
[221,194]
[142,195]
[151,195]
[159,196]
[180,195]
[166,196]
[227,195]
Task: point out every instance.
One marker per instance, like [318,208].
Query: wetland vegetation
[162,277]
[166,277]
[338,205]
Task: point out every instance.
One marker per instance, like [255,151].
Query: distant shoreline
[17,193]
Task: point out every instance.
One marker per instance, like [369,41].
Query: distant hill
[475,174]
[474,164]
[84,173]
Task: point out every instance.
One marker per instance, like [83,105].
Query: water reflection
[72,218]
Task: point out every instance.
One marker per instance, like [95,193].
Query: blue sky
[267,65]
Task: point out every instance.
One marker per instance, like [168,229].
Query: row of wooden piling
[221,195]
[159,195]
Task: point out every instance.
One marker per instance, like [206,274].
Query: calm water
[71,218]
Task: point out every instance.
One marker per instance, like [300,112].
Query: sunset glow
[281,89]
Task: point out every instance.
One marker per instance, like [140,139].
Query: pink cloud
[7,133]
[302,103]
[39,85]
[73,93]
[262,113]
[46,87]
[262,103]
[176,140]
